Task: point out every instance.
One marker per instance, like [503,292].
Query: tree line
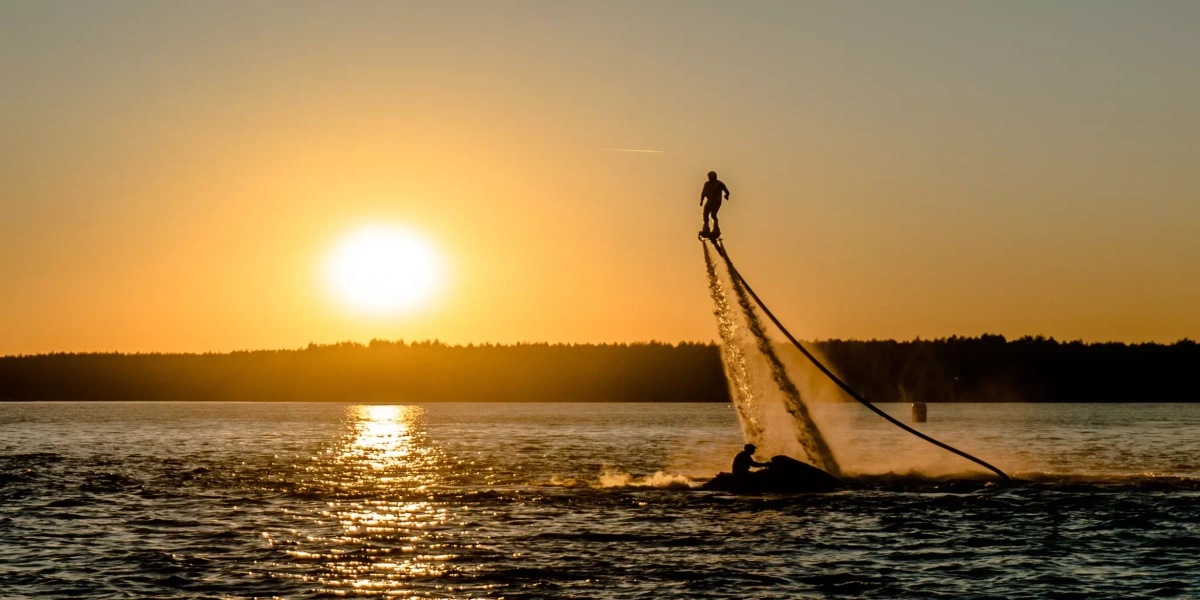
[991,368]
[382,371]
[988,368]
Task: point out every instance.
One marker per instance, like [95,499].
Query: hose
[720,246]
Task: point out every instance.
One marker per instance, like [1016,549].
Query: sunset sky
[174,175]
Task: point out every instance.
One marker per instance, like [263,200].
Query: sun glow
[383,269]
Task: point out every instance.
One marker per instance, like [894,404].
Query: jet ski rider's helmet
[750,448]
[712,175]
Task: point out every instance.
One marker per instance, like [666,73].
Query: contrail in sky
[634,150]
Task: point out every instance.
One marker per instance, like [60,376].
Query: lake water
[215,500]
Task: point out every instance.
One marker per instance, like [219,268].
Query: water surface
[182,500]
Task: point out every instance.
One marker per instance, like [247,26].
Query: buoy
[919,412]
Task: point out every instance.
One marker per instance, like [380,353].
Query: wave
[612,479]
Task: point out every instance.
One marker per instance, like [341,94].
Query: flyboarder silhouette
[713,190]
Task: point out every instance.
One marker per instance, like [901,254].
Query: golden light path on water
[385,536]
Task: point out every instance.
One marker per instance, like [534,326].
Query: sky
[172,175]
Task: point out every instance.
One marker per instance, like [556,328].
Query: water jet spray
[741,284]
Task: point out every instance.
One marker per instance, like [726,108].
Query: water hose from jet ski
[720,246]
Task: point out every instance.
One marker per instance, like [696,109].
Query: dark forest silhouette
[981,369]
[991,368]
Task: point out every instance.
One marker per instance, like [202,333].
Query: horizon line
[381,341]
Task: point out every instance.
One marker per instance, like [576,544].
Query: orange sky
[171,175]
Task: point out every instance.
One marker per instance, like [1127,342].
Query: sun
[383,270]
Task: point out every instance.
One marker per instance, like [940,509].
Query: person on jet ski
[744,461]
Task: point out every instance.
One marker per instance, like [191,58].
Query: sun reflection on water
[383,436]
[383,531]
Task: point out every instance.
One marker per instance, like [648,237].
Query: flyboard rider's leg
[705,231]
[713,207]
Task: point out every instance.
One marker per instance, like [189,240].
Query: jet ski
[783,475]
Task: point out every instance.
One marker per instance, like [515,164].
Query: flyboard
[788,475]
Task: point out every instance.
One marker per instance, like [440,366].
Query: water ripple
[535,501]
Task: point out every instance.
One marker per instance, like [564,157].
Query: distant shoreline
[983,369]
